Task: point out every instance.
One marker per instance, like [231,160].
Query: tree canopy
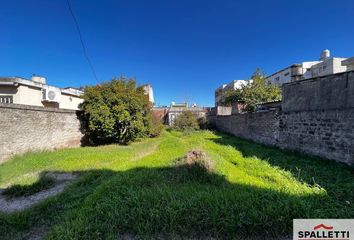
[116,111]
[187,120]
[255,92]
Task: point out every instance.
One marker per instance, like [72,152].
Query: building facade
[325,66]
[349,63]
[168,115]
[149,93]
[233,85]
[35,92]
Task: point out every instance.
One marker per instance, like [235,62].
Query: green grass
[138,189]
[18,190]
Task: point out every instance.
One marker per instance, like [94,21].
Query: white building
[349,63]
[305,70]
[35,92]
[149,93]
[178,108]
[233,85]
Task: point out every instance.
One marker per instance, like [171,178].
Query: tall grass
[252,191]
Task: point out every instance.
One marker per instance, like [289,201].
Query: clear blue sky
[184,48]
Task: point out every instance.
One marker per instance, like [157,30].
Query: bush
[187,120]
[156,126]
[116,112]
[203,123]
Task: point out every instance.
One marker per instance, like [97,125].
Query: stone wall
[329,134]
[27,128]
[317,119]
[259,127]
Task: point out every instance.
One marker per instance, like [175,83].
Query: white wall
[337,65]
[327,67]
[27,95]
[70,102]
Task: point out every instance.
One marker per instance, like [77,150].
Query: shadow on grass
[170,202]
[336,178]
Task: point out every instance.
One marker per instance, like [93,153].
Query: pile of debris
[197,157]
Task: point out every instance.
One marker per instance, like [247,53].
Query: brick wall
[160,113]
[27,128]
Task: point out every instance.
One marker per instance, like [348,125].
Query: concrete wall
[28,128]
[317,119]
[221,110]
[70,102]
[329,92]
[29,95]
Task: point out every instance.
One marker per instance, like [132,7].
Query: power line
[82,41]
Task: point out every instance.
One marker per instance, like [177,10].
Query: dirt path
[21,203]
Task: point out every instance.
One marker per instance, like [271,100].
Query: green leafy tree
[187,120]
[231,97]
[259,91]
[255,92]
[116,112]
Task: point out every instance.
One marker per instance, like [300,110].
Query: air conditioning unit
[51,94]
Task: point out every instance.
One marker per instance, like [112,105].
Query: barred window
[6,99]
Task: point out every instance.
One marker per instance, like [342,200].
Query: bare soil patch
[20,203]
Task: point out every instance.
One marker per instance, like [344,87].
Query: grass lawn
[138,190]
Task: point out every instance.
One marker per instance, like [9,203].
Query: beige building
[326,65]
[35,92]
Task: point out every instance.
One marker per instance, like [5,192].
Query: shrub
[187,120]
[156,126]
[115,112]
[203,123]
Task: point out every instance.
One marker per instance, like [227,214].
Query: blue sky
[184,48]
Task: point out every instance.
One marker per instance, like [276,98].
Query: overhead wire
[84,48]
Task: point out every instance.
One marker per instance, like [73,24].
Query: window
[277,79]
[324,67]
[6,99]
[286,74]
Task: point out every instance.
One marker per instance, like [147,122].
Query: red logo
[322,226]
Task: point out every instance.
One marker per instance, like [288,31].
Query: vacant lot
[140,191]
